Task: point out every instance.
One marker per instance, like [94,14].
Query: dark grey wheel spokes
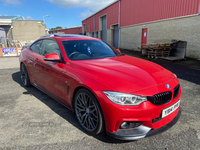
[23,75]
[86,112]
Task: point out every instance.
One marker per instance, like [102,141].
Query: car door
[55,78]
[33,63]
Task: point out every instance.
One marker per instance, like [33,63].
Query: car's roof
[64,37]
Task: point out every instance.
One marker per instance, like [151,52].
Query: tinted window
[36,47]
[88,49]
[50,46]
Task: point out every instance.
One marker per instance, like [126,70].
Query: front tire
[24,76]
[88,112]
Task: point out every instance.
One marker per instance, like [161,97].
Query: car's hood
[124,73]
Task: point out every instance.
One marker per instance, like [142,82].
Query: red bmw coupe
[128,97]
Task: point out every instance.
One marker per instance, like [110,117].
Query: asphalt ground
[29,119]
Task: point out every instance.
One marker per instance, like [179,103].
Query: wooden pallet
[157,54]
[155,50]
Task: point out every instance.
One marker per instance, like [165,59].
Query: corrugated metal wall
[112,13]
[90,24]
[69,31]
[141,11]
[73,31]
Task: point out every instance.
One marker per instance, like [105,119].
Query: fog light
[130,124]
[124,125]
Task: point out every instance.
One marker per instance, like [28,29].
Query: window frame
[33,44]
[111,47]
[61,54]
[46,39]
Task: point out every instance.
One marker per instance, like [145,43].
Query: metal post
[43,20]
[45,16]
[119,24]
[94,23]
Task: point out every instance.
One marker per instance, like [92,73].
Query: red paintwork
[141,11]
[90,24]
[123,74]
[137,11]
[112,14]
[144,37]
[52,56]
[118,50]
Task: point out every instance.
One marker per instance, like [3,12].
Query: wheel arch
[25,75]
[76,90]
[93,93]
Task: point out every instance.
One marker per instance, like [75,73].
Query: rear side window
[36,47]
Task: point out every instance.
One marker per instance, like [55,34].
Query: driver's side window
[50,46]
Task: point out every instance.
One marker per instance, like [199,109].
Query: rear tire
[24,76]
[88,112]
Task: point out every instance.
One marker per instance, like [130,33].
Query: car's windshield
[88,49]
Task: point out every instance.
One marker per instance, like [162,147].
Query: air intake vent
[176,91]
[161,98]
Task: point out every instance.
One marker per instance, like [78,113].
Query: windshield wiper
[103,57]
[121,54]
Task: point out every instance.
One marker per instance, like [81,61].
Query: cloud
[86,14]
[12,2]
[91,5]
[29,18]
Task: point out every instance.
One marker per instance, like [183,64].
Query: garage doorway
[84,29]
[104,29]
[115,36]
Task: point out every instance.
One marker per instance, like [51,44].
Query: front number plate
[171,109]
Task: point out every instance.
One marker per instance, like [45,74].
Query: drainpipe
[89,30]
[94,23]
[119,24]
[85,28]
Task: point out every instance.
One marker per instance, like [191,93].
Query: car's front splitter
[143,131]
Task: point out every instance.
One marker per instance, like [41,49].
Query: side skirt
[51,95]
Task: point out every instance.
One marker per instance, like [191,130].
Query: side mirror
[52,57]
[118,50]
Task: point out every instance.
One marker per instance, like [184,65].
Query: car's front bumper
[143,131]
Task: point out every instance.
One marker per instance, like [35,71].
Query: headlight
[124,99]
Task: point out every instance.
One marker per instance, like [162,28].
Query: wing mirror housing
[52,57]
[118,50]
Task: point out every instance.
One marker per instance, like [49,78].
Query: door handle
[36,59]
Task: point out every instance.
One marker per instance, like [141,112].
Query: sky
[64,13]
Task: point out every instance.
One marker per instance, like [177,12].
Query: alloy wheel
[86,112]
[23,75]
